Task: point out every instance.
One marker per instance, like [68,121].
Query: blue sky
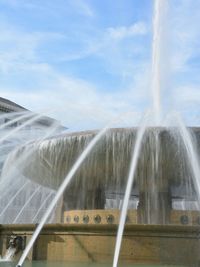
[84,62]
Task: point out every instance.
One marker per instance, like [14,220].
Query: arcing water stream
[129,185]
[14,187]
[191,154]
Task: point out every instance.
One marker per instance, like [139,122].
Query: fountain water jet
[160,10]
[131,175]
[9,255]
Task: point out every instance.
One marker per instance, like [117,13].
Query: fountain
[169,205]
[85,184]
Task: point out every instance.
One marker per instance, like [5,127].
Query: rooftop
[7,106]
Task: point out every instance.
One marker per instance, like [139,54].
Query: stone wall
[142,244]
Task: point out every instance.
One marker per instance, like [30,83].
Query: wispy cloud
[20,49]
[185,33]
[105,39]
[34,78]
[78,104]
[184,46]
[122,51]
[37,85]
[122,32]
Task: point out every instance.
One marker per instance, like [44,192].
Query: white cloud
[19,49]
[77,104]
[122,32]
[188,94]
[108,45]
[185,34]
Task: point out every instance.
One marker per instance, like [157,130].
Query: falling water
[60,193]
[191,154]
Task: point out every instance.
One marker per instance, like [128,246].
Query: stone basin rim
[122,129]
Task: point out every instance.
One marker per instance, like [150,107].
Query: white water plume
[10,252]
[158,71]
